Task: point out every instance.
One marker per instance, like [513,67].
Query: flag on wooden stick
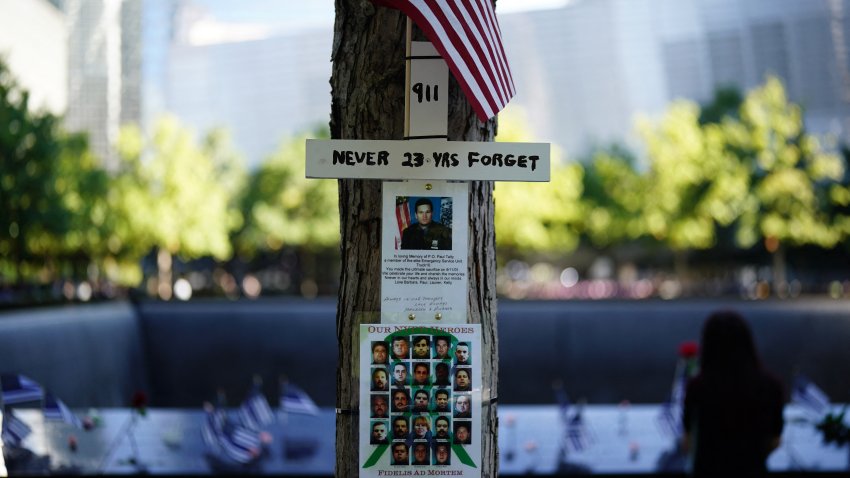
[467,35]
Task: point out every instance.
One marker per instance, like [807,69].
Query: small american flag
[809,396]
[402,215]
[19,389]
[295,400]
[237,443]
[467,35]
[255,412]
[577,433]
[15,431]
[55,409]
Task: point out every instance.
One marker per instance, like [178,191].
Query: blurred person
[420,454]
[401,348]
[400,454]
[463,381]
[421,347]
[441,347]
[462,407]
[401,401]
[425,233]
[379,380]
[379,434]
[462,354]
[733,406]
[420,401]
[379,353]
[400,375]
[421,373]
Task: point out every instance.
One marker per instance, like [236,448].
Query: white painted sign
[420,400]
[427,159]
[429,92]
[424,254]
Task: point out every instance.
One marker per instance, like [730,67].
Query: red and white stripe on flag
[467,35]
[402,215]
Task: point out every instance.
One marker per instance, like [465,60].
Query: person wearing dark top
[426,234]
[733,407]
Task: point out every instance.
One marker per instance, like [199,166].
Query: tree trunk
[368,103]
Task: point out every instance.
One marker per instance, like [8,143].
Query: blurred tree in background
[286,212]
[52,194]
[282,207]
[537,216]
[739,175]
[170,196]
[613,197]
[789,179]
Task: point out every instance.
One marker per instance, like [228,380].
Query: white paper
[424,274]
[381,426]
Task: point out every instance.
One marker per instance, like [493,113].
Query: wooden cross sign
[425,217]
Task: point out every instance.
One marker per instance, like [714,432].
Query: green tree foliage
[281,207]
[49,191]
[693,183]
[168,195]
[613,197]
[84,187]
[725,104]
[538,216]
[791,179]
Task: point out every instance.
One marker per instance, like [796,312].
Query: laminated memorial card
[424,252]
[420,404]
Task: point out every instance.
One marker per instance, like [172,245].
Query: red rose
[139,402]
[688,349]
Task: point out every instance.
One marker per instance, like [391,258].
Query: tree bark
[367,89]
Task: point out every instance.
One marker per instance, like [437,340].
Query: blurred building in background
[78,58]
[260,82]
[33,43]
[585,70]
[104,88]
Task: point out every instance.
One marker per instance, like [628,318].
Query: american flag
[15,431]
[255,412]
[563,404]
[55,409]
[294,399]
[670,420]
[467,35]
[19,389]
[809,396]
[237,443]
[402,215]
[577,435]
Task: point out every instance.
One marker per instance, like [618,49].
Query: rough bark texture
[368,103]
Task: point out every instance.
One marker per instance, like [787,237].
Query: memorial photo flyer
[420,404]
[424,251]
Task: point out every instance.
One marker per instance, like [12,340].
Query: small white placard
[424,252]
[427,159]
[429,91]
[420,400]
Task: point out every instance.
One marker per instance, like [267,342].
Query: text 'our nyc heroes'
[439,159]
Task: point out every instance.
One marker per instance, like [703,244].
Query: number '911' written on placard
[430,159]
